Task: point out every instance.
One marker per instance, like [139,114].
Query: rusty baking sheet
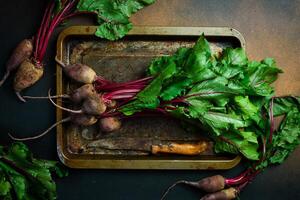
[125,60]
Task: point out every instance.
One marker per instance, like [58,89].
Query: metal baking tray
[125,60]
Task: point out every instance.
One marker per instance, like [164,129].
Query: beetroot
[109,124]
[208,184]
[79,72]
[22,52]
[226,194]
[27,74]
[83,120]
[93,105]
[82,93]
[31,66]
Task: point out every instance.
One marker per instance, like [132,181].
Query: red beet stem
[203,93]
[240,187]
[78,13]
[55,21]
[102,81]
[271,121]
[45,28]
[123,96]
[237,180]
[42,27]
[141,83]
[182,99]
[113,94]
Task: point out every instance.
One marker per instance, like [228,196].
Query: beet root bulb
[82,93]
[208,184]
[83,119]
[109,124]
[78,72]
[22,52]
[211,184]
[27,74]
[226,194]
[93,105]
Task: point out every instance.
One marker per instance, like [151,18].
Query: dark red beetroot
[31,69]
[93,105]
[27,74]
[78,119]
[208,184]
[109,124]
[79,72]
[21,52]
[82,93]
[226,194]
[83,120]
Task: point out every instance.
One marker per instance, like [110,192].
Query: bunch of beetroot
[97,98]
[28,56]
[218,187]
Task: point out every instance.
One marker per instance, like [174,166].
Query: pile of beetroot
[98,98]
[227,95]
[237,113]
[27,58]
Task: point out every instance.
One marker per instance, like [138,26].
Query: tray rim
[187,164]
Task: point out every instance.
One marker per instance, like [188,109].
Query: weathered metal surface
[125,60]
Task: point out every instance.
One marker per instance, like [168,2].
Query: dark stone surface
[271,28]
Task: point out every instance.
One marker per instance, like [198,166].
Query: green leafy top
[226,95]
[287,137]
[25,177]
[113,15]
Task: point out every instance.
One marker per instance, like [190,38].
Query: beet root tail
[6,75]
[225,194]
[20,97]
[63,108]
[66,96]
[171,187]
[42,134]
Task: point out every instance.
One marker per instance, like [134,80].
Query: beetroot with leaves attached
[226,194]
[27,74]
[79,72]
[22,52]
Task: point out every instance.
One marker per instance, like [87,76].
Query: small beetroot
[79,72]
[82,93]
[27,74]
[109,124]
[208,184]
[92,105]
[22,52]
[226,194]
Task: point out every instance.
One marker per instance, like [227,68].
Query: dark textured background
[271,28]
